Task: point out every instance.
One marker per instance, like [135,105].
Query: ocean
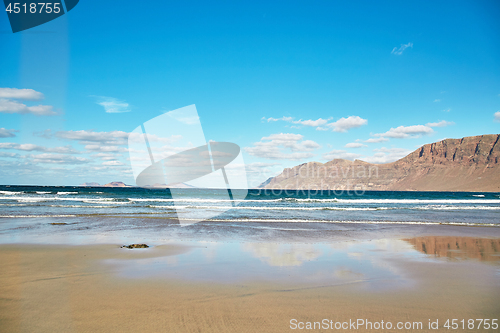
[80,214]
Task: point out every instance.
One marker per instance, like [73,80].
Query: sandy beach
[199,287]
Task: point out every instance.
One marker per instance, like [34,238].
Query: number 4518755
[33,8]
[471,324]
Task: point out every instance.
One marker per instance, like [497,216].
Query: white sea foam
[81,206]
[273,208]
[10,192]
[478,195]
[198,200]
[352,222]
[334,200]
[405,201]
[66,193]
[281,208]
[23,216]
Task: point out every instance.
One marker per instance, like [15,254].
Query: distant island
[467,164]
[112,184]
[122,184]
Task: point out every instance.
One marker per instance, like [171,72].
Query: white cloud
[341,125]
[376,140]
[447,110]
[273,146]
[442,123]
[107,156]
[113,105]
[497,116]
[10,106]
[340,154]
[83,136]
[58,159]
[386,155]
[7,133]
[4,154]
[26,94]
[406,132]
[32,147]
[105,141]
[345,124]
[437,100]
[105,149]
[271,119]
[401,49]
[312,123]
[309,122]
[355,145]
[113,163]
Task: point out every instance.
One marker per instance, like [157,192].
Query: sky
[288,81]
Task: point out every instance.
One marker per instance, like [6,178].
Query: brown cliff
[467,164]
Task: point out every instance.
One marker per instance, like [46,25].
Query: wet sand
[203,288]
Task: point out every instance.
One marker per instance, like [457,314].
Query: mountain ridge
[466,164]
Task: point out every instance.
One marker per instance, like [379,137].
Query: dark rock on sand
[136,246]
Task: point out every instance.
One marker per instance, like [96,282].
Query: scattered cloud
[7,133]
[442,123]
[271,119]
[24,94]
[355,145]
[113,163]
[407,132]
[83,136]
[387,155]
[276,147]
[262,168]
[340,154]
[4,154]
[106,140]
[400,50]
[9,103]
[376,140]
[105,149]
[59,159]
[113,105]
[447,110]
[497,116]
[11,106]
[32,147]
[437,100]
[341,125]
[345,124]
[107,156]
[311,123]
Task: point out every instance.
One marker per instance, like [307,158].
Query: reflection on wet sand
[454,248]
[282,254]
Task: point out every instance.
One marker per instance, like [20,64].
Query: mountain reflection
[456,248]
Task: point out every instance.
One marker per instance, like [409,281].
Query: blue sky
[288,81]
